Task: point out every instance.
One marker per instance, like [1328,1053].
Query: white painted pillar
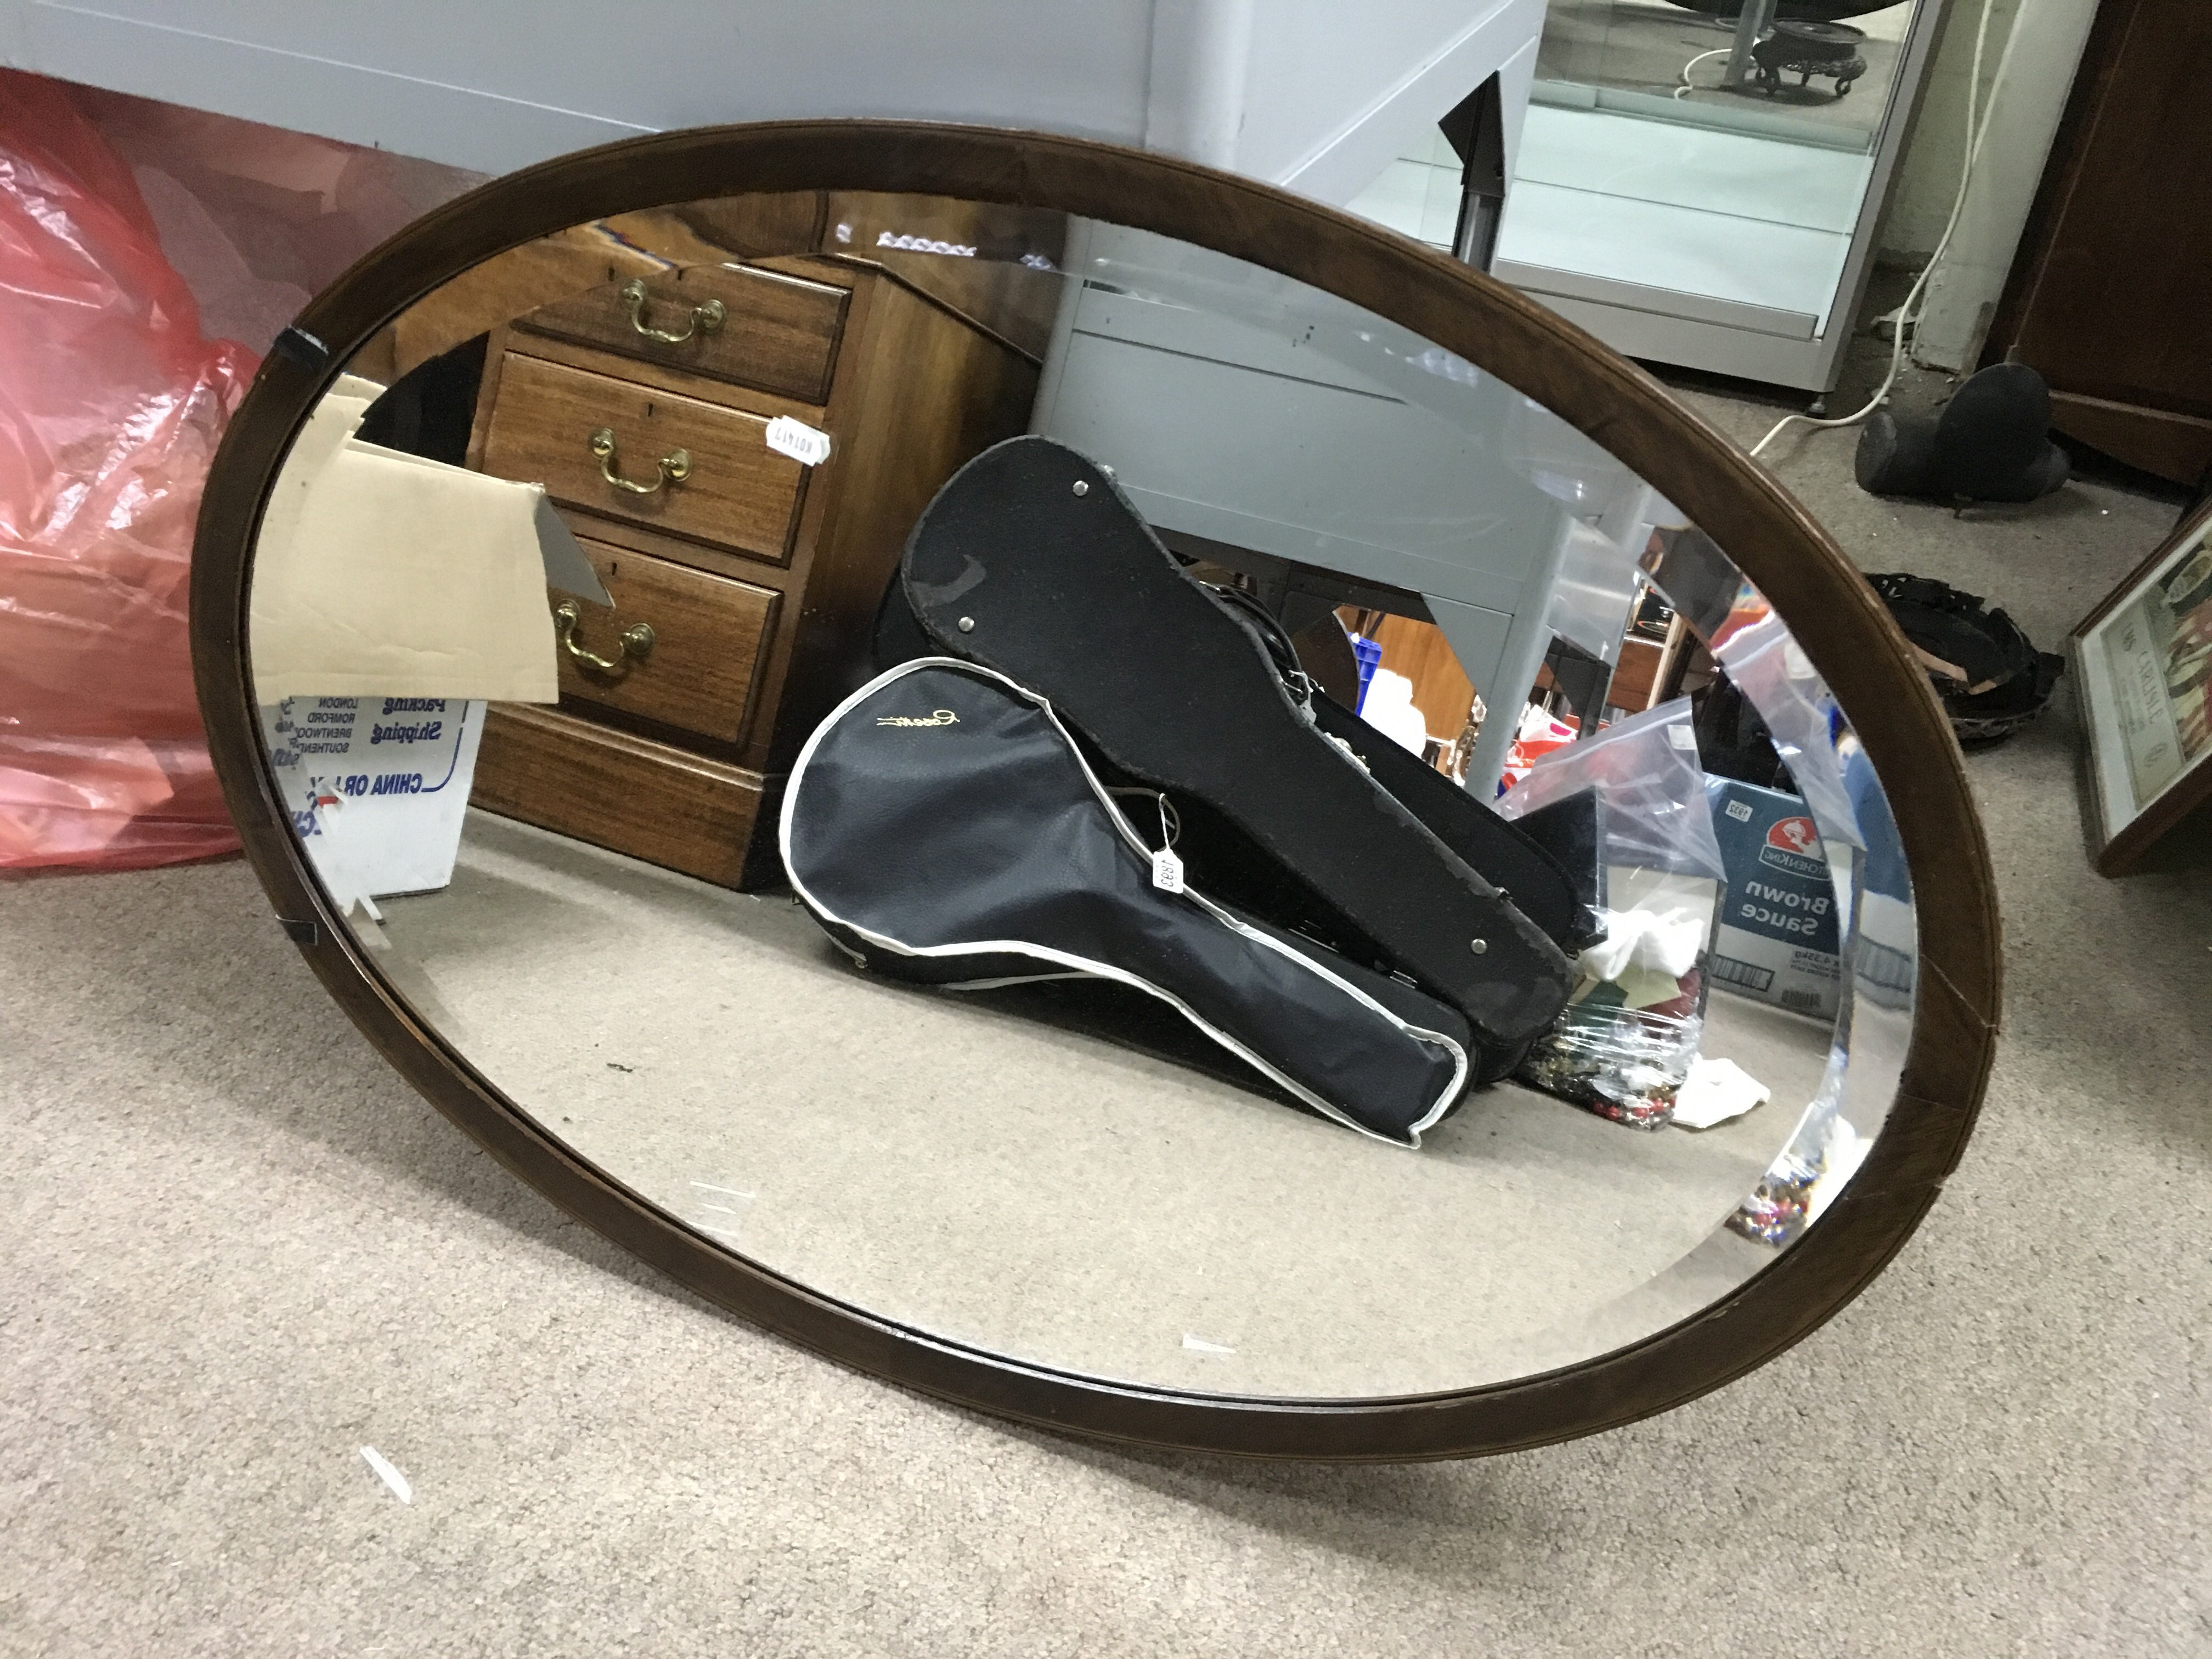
[2029,97]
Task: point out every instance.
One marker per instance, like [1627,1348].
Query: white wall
[2037,74]
[1928,172]
[2028,70]
[1314,95]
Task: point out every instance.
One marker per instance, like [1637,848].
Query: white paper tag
[1167,871]
[1681,736]
[802,442]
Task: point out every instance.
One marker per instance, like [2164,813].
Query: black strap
[1957,627]
[1901,588]
[1987,644]
[1271,633]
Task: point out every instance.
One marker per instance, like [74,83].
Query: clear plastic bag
[1801,717]
[1537,736]
[1625,1044]
[1645,770]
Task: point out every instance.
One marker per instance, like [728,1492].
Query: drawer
[776,332]
[647,800]
[709,636]
[735,491]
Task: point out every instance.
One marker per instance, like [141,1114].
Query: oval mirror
[1096,789]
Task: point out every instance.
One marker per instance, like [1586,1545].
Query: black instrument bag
[944,827]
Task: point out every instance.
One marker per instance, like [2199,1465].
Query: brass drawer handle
[636,642]
[705,319]
[675,466]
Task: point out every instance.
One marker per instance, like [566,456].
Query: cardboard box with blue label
[1776,937]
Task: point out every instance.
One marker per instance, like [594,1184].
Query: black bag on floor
[943,827]
[1990,677]
[1032,562]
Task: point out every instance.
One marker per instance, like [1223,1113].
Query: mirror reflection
[1695,179]
[1081,796]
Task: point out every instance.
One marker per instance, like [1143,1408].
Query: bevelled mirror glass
[995,776]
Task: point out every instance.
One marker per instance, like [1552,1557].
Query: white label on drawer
[802,442]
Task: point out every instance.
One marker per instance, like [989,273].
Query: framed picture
[2142,670]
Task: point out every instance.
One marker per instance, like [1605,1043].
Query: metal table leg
[1476,132]
[1756,18]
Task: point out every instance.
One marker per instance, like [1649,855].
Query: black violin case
[1080,762]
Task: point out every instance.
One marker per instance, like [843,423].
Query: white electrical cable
[1906,318]
[1685,88]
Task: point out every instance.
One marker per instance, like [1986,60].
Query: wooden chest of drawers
[745,584]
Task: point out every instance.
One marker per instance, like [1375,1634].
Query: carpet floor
[239,1248]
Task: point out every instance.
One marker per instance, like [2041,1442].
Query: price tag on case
[1167,871]
[807,445]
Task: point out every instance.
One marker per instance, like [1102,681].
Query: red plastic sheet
[111,403]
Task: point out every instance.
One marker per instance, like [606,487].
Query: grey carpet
[1004,1181]
[239,1248]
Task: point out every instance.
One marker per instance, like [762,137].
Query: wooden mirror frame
[1836,617]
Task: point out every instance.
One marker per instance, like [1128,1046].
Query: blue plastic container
[1371,659]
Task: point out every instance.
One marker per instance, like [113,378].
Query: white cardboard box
[376,786]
